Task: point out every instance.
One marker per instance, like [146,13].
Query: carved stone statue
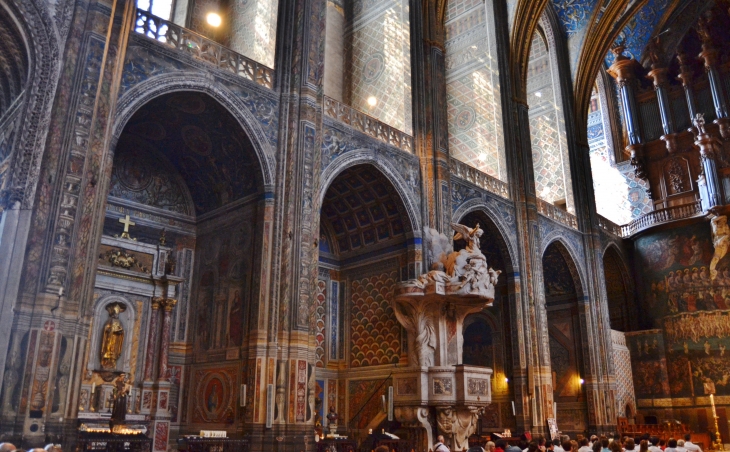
[119,400]
[112,337]
[332,420]
[721,242]
[459,424]
[699,123]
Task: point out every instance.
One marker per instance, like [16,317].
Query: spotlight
[372,101]
[213,19]
[582,381]
[506,380]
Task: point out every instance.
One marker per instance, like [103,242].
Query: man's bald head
[7,447]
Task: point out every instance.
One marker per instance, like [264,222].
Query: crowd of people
[643,443]
[9,447]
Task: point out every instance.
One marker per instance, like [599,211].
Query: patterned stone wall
[547,128]
[380,61]
[253,29]
[472,88]
[374,331]
[624,375]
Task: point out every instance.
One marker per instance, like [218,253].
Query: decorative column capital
[659,77]
[169,304]
[623,67]
[685,71]
[157,302]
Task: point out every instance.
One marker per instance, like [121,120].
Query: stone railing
[609,226]
[202,48]
[557,214]
[661,216]
[368,125]
[478,178]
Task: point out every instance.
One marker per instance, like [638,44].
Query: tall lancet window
[371,68]
[547,126]
[472,87]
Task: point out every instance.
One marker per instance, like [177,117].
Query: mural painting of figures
[676,271]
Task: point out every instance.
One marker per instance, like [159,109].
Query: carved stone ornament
[123,259]
[458,424]
[460,283]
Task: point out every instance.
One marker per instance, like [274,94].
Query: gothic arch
[42,45]
[144,92]
[477,205]
[571,260]
[386,167]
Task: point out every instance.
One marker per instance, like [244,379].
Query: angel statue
[471,235]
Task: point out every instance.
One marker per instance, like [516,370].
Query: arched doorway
[488,335]
[618,294]
[562,291]
[366,247]
[179,264]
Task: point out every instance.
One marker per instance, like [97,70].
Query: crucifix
[127,222]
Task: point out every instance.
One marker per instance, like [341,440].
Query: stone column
[149,358]
[685,76]
[623,70]
[168,306]
[710,56]
[710,190]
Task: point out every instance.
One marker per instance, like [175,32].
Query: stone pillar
[623,70]
[710,56]
[168,306]
[149,359]
[658,75]
[685,76]
[710,189]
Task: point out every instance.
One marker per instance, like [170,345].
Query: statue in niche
[112,337]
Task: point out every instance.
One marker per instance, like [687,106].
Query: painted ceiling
[361,209]
[13,62]
[575,17]
[203,142]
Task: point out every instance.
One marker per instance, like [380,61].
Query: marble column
[623,70]
[149,359]
[710,57]
[168,306]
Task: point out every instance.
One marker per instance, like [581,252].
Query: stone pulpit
[432,309]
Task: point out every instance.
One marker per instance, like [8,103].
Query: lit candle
[93,387]
[60,291]
[712,402]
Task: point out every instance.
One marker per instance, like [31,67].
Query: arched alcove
[563,290]
[366,247]
[187,187]
[489,335]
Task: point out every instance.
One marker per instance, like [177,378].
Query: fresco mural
[690,310]
[223,283]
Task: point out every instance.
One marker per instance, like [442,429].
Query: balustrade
[478,178]
[557,214]
[202,48]
[368,125]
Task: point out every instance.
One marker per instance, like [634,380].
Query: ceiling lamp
[213,19]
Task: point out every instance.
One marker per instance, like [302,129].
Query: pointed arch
[155,87]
